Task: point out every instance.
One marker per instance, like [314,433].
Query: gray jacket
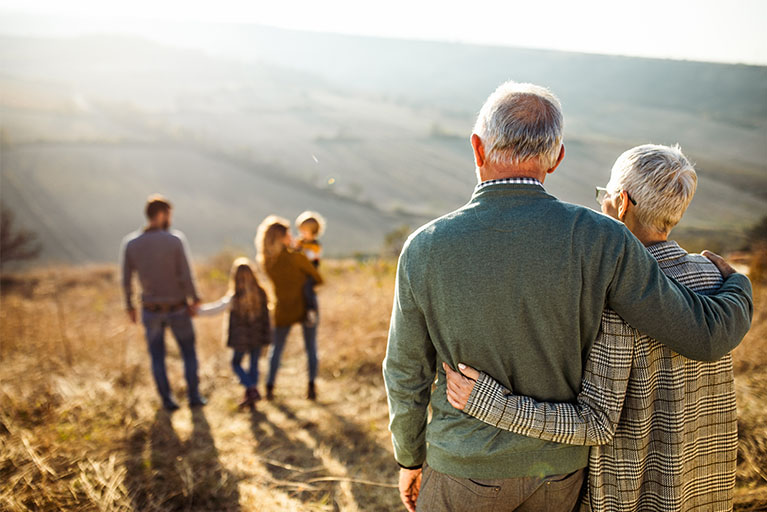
[161,260]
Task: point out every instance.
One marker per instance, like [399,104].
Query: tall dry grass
[80,427]
[750,365]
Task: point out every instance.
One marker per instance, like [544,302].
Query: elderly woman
[288,272]
[662,426]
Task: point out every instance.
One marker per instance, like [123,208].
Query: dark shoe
[251,397]
[170,405]
[269,392]
[311,394]
[246,401]
[198,401]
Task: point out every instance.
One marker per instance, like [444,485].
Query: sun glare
[685,29]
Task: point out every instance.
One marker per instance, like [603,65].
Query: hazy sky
[711,30]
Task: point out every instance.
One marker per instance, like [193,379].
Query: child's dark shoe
[170,405]
[270,393]
[247,401]
[311,393]
[198,401]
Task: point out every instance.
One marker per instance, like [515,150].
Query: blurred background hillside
[234,122]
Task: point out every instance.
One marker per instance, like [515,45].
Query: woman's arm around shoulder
[591,420]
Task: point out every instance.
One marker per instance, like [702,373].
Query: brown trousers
[445,493]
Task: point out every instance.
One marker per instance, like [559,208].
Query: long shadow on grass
[290,462]
[164,473]
[362,456]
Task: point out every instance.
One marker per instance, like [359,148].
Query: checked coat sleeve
[592,419]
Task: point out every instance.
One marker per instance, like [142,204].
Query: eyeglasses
[602,193]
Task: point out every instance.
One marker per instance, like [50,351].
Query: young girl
[249,330]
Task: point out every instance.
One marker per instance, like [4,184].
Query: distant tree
[16,244]
[395,240]
[757,243]
[757,235]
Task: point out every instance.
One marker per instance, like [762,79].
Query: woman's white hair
[520,122]
[660,179]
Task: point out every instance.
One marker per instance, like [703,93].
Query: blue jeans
[275,353]
[248,379]
[310,295]
[181,325]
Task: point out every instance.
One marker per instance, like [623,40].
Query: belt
[164,308]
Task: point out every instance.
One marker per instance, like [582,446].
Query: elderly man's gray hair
[520,122]
[660,179]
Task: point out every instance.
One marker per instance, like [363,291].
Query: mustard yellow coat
[288,273]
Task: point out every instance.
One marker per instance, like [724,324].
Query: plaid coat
[663,427]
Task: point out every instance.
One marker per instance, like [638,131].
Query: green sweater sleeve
[409,369]
[703,328]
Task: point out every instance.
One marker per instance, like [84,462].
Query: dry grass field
[80,427]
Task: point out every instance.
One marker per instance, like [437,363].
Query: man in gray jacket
[160,259]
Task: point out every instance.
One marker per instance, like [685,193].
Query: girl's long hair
[247,294]
[269,239]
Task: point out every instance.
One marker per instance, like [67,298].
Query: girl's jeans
[248,379]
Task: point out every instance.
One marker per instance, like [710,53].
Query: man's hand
[720,263]
[410,486]
[194,308]
[459,385]
[132,316]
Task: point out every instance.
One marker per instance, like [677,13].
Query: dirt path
[290,454]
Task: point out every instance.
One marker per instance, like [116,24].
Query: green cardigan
[514,283]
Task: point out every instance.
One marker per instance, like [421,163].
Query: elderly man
[668,423]
[159,257]
[515,283]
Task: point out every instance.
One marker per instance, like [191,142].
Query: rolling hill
[236,122]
